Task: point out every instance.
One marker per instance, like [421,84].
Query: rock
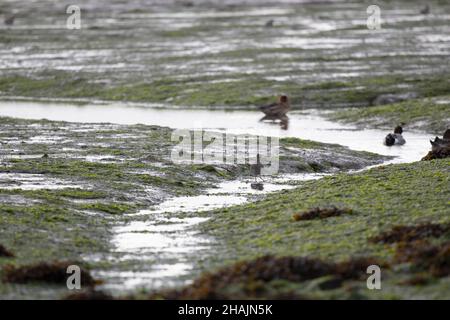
[5,252]
[439,153]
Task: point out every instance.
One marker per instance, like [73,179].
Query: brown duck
[277,111]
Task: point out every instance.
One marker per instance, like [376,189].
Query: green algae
[380,198]
[423,114]
[243,92]
[111,208]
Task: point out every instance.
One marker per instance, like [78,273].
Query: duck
[277,111]
[439,143]
[395,138]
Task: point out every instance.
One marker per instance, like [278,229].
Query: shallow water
[156,234]
[129,41]
[28,181]
[168,240]
[306,125]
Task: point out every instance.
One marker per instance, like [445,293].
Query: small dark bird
[255,171]
[269,24]
[277,111]
[395,138]
[425,10]
[9,20]
[187,4]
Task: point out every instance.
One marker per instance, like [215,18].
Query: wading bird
[425,10]
[9,20]
[255,171]
[277,111]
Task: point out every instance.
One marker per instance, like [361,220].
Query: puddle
[135,279]
[101,158]
[170,241]
[22,156]
[44,140]
[25,181]
[197,203]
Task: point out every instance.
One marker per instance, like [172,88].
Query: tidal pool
[28,181]
[309,124]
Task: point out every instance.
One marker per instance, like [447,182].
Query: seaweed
[48,272]
[440,153]
[435,259]
[254,274]
[321,213]
[5,252]
[411,233]
[89,295]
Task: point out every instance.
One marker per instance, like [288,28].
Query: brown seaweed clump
[411,233]
[52,272]
[5,252]
[321,213]
[439,153]
[435,259]
[252,275]
[89,295]
[417,280]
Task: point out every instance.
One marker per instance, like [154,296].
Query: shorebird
[255,171]
[9,19]
[425,10]
[269,24]
[277,111]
